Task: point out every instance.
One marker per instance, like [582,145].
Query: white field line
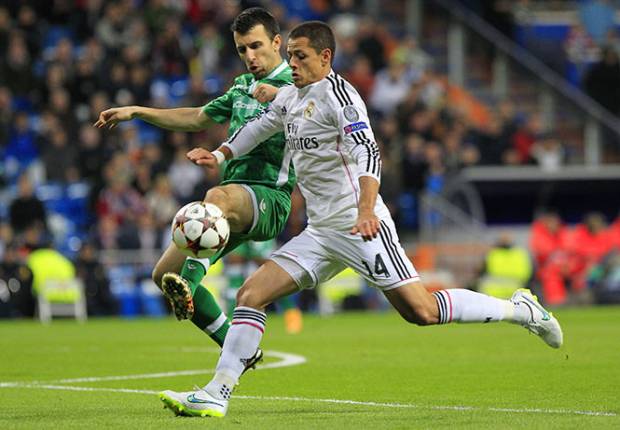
[338,401]
[286,360]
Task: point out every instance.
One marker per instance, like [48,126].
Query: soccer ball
[200,230]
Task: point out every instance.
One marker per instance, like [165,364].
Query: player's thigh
[414,303]
[236,203]
[170,261]
[267,284]
[307,261]
[381,261]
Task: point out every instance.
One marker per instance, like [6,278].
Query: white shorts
[317,255]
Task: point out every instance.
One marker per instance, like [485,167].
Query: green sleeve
[220,109]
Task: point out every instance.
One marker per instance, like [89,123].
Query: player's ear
[276,42]
[326,57]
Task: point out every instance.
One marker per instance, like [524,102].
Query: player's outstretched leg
[416,305]
[180,280]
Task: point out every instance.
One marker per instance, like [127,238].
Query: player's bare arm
[367,223]
[178,119]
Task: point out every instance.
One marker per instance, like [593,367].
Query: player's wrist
[219,156]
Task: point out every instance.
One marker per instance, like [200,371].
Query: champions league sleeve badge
[350,113]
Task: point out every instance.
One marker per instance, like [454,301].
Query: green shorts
[271,210]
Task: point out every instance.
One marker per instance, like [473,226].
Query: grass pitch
[361,370]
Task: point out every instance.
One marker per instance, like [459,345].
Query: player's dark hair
[320,35]
[250,18]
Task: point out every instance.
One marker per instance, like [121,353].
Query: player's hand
[265,93]
[109,118]
[202,157]
[367,225]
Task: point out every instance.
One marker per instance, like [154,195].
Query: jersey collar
[275,72]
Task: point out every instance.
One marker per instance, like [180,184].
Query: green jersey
[265,164]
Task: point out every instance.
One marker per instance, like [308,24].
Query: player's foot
[197,403]
[293,321]
[253,361]
[542,323]
[179,294]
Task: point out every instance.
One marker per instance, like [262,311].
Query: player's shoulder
[242,82]
[339,91]
[286,92]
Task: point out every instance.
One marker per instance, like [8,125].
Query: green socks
[208,315]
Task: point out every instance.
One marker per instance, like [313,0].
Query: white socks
[242,340]
[462,305]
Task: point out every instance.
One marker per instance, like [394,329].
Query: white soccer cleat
[197,403]
[542,323]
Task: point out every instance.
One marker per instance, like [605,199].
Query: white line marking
[341,402]
[286,360]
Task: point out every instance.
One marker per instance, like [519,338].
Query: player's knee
[250,297]
[420,316]
[217,196]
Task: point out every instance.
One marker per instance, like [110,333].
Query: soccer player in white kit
[331,144]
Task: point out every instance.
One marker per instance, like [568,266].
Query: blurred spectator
[59,157]
[500,14]
[16,69]
[492,142]
[6,117]
[507,267]
[525,136]
[361,76]
[161,201]
[208,43]
[581,50]
[391,86]
[22,147]
[16,278]
[415,165]
[612,39]
[597,17]
[91,153]
[548,152]
[26,209]
[370,45]
[119,200]
[602,81]
[111,27]
[99,299]
[169,53]
[548,243]
[5,28]
[184,175]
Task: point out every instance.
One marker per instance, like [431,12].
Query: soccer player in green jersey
[254,193]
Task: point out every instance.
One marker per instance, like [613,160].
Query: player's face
[308,66]
[260,54]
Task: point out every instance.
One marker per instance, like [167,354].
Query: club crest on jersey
[355,127]
[350,113]
[309,110]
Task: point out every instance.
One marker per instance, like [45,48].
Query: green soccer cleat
[542,323]
[179,294]
[197,403]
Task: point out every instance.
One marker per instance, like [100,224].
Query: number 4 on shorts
[380,268]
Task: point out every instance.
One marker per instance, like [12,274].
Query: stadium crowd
[68,184]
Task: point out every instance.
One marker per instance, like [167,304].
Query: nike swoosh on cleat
[546,316]
[192,399]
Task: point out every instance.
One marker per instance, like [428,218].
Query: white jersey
[331,144]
